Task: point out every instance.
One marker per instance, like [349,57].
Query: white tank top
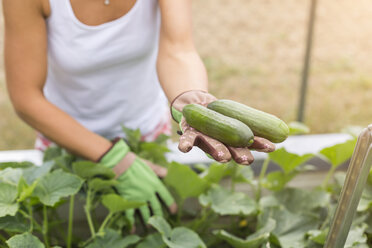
[105,76]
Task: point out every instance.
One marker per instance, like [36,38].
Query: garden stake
[351,192]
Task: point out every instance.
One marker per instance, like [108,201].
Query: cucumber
[229,131]
[262,124]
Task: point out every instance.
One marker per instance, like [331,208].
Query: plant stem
[70,221]
[104,223]
[265,165]
[328,177]
[206,212]
[45,226]
[180,208]
[2,238]
[113,219]
[26,215]
[233,177]
[31,218]
[87,213]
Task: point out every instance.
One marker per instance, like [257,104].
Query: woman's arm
[179,66]
[26,69]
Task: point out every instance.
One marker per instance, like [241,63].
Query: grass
[253,52]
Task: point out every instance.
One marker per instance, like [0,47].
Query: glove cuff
[188,97]
[115,154]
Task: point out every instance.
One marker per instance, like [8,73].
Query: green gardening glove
[137,181]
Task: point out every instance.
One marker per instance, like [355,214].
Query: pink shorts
[164,127]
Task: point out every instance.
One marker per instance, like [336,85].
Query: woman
[79,69]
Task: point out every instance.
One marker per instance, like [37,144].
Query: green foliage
[56,185]
[113,239]
[297,200]
[8,196]
[87,169]
[296,128]
[339,153]
[290,227]
[25,240]
[254,240]
[179,237]
[15,224]
[115,203]
[185,181]
[226,202]
[288,161]
[152,240]
[220,216]
[290,164]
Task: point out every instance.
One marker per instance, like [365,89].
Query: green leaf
[277,180]
[365,202]
[52,153]
[55,185]
[153,152]
[113,239]
[185,181]
[244,174]
[88,169]
[357,237]
[180,237]
[215,173]
[318,236]
[226,202]
[15,223]
[98,184]
[132,138]
[162,139]
[160,224]
[296,128]
[290,228]
[64,162]
[339,153]
[8,195]
[25,190]
[288,161]
[299,200]
[115,203]
[11,175]
[25,240]
[252,241]
[151,241]
[35,172]
[21,165]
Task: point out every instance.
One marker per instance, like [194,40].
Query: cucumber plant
[213,211]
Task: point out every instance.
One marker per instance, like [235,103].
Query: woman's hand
[138,181]
[219,151]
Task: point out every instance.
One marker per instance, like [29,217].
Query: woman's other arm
[26,69]
[179,66]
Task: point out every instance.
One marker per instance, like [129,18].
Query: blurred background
[254,50]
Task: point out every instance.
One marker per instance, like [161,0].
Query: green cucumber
[261,123]
[229,131]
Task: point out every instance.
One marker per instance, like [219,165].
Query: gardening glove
[191,137]
[138,182]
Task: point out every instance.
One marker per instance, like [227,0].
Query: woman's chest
[97,12]
[76,47]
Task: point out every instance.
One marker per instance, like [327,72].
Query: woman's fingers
[173,208]
[213,147]
[157,169]
[187,140]
[241,155]
[262,145]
